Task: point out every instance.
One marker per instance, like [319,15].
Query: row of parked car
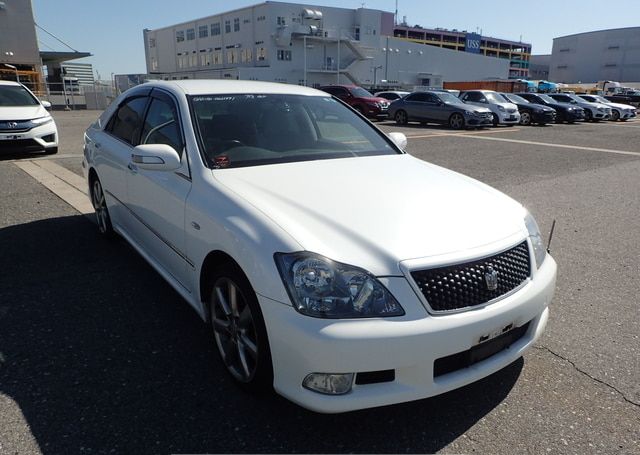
[477,108]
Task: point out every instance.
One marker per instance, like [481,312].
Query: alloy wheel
[456,121]
[401,118]
[100,207]
[525,118]
[615,115]
[234,330]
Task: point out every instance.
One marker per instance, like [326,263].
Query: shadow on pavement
[101,354]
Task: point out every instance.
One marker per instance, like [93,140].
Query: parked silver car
[503,111]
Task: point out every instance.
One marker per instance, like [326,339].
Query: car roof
[222,87]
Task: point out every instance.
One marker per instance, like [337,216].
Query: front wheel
[102,211]
[615,115]
[401,118]
[588,116]
[495,120]
[525,119]
[239,330]
[456,121]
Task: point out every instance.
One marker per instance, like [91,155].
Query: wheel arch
[211,261]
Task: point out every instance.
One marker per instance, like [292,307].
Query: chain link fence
[74,96]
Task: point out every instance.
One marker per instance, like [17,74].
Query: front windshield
[251,130]
[16,95]
[576,98]
[359,92]
[494,97]
[515,98]
[547,98]
[599,99]
[448,97]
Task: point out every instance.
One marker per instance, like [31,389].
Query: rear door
[157,198]
[415,106]
[435,109]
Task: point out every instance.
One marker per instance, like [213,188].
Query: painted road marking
[546,144]
[65,174]
[57,184]
[466,133]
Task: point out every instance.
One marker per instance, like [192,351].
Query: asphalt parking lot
[99,355]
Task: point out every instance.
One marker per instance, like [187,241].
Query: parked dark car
[360,99]
[529,112]
[438,107]
[569,113]
[632,99]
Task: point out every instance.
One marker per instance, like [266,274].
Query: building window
[284,55]
[227,26]
[281,21]
[247,55]
[154,64]
[217,58]
[236,24]
[203,31]
[193,59]
[261,18]
[215,29]
[191,34]
[179,36]
[261,54]
[232,56]
[152,42]
[246,21]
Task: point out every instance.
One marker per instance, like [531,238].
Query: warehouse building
[308,45]
[596,56]
[516,52]
[19,54]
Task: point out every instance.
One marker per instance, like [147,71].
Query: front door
[157,198]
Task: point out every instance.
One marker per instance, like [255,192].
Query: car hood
[536,107]
[469,107]
[22,112]
[620,106]
[374,212]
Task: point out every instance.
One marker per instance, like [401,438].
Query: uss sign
[472,43]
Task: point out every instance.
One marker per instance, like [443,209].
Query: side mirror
[156,157]
[46,104]
[399,139]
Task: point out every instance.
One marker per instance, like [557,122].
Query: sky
[112,30]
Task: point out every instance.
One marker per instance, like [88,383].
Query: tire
[615,115]
[103,219]
[588,116]
[238,329]
[401,117]
[525,118]
[456,121]
[51,151]
[495,120]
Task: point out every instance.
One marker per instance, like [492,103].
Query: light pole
[14,69]
[375,74]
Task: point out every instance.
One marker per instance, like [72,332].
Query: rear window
[251,130]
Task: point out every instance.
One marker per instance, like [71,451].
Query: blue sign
[472,43]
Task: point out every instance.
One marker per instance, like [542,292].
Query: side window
[475,97]
[419,97]
[431,98]
[161,126]
[126,122]
[331,91]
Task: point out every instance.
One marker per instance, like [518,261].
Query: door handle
[97,145]
[132,167]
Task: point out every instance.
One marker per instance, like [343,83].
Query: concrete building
[18,43]
[308,45]
[516,52]
[539,67]
[595,56]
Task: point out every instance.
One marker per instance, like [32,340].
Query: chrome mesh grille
[465,285]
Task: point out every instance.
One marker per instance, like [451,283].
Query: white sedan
[330,264]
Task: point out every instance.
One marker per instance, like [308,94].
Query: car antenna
[553,226]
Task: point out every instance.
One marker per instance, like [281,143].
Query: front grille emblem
[491,279]
[12,124]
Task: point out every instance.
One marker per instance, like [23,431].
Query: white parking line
[58,185]
[465,133]
[546,144]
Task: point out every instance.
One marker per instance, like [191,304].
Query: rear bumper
[409,345]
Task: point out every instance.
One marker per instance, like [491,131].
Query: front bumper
[478,120]
[543,117]
[36,139]
[377,112]
[574,116]
[509,118]
[410,345]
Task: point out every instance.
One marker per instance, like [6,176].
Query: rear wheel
[456,121]
[525,118]
[100,206]
[401,118]
[239,330]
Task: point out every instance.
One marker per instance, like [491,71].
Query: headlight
[539,251]
[323,288]
[470,113]
[41,120]
[501,108]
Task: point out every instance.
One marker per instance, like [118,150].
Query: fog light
[329,383]
[49,138]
